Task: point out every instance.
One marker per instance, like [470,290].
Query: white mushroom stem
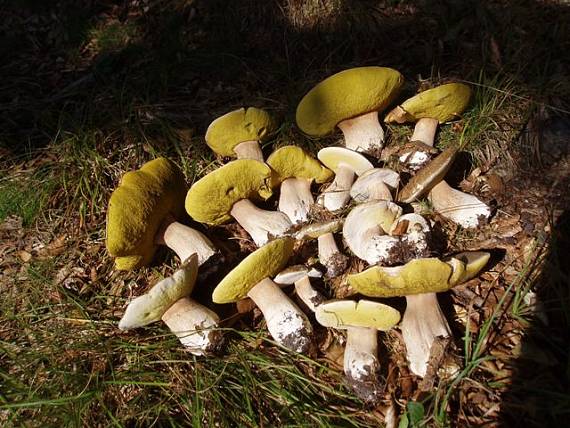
[195,326]
[307,293]
[361,365]
[296,199]
[337,194]
[422,322]
[249,150]
[425,130]
[461,208]
[363,133]
[286,323]
[262,225]
[330,256]
[185,241]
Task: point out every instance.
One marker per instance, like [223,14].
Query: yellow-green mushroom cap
[428,275]
[294,162]
[443,103]
[138,206]
[474,262]
[345,95]
[343,314]
[211,198]
[335,157]
[237,126]
[265,262]
[150,307]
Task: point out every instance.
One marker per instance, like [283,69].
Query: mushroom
[194,324]
[428,109]
[419,280]
[375,184]
[296,170]
[287,324]
[239,132]
[351,100]
[377,232]
[301,275]
[226,192]
[361,320]
[141,215]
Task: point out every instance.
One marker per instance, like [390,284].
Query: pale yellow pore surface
[265,262]
[211,198]
[342,314]
[138,206]
[237,126]
[345,95]
[443,103]
[474,262]
[294,162]
[428,275]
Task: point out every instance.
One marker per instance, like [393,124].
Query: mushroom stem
[361,365]
[307,293]
[425,130]
[337,194]
[330,256]
[262,225]
[184,241]
[286,323]
[461,208]
[249,150]
[422,322]
[194,325]
[363,133]
[296,199]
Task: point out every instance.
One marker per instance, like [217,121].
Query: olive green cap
[211,198]
[474,262]
[151,306]
[265,262]
[342,314]
[237,126]
[294,162]
[345,95]
[428,275]
[443,103]
[138,206]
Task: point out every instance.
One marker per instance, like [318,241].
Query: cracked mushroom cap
[443,103]
[265,262]
[335,157]
[211,198]
[343,314]
[237,126]
[294,162]
[418,276]
[151,306]
[137,208]
[345,95]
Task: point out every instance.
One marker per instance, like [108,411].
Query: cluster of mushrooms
[374,213]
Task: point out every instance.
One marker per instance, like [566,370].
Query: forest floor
[93,89]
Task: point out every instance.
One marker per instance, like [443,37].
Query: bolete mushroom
[419,280]
[351,100]
[141,216]
[287,324]
[296,170]
[301,275]
[375,184]
[361,320]
[194,324]
[226,192]
[239,132]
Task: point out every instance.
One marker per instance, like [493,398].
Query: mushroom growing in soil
[351,100]
[296,170]
[141,216]
[287,324]
[226,192]
[419,280]
[194,324]
[239,133]
[361,320]
[428,109]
